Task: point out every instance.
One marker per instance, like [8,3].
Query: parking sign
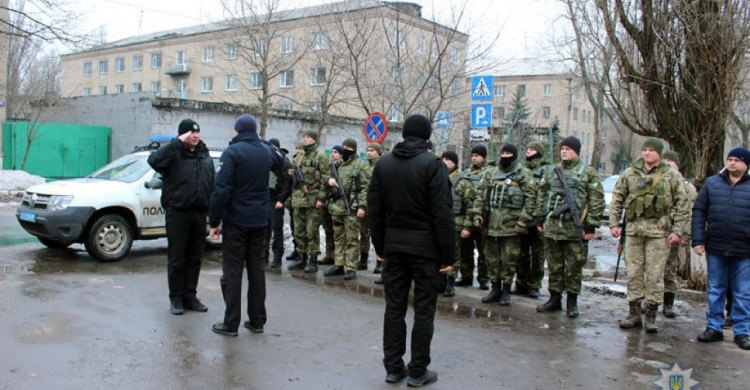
[481,115]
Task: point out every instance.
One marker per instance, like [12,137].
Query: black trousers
[243,248]
[398,274]
[186,240]
[275,227]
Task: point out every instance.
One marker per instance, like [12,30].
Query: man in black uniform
[412,229]
[240,200]
[188,174]
[279,189]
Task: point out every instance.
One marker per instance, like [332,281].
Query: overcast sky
[523,24]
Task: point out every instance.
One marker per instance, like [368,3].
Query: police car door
[152,214]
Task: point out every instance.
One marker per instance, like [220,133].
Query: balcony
[182,69]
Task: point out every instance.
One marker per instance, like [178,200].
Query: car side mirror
[153,184]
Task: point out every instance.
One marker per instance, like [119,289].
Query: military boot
[300,264]
[294,256]
[505,295]
[554,303]
[651,310]
[634,317]
[465,281]
[450,289]
[276,260]
[572,305]
[668,308]
[327,260]
[362,266]
[494,295]
[312,264]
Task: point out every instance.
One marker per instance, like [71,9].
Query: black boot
[312,264]
[334,271]
[362,266]
[300,264]
[450,289]
[378,268]
[553,304]
[483,285]
[572,305]
[465,281]
[494,295]
[520,290]
[276,260]
[294,256]
[349,275]
[668,308]
[505,296]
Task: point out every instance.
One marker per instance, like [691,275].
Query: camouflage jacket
[509,196]
[355,177]
[655,201]
[463,199]
[475,173]
[314,165]
[587,189]
[538,167]
[371,164]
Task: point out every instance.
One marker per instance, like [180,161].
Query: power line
[198,19]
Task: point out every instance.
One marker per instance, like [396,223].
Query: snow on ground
[13,183]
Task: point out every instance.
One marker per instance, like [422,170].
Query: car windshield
[126,169]
[609,183]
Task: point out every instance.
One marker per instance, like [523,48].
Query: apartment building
[348,59]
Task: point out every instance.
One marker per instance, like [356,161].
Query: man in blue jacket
[241,201]
[720,228]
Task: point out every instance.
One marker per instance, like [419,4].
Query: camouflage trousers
[565,261]
[501,254]
[306,230]
[670,270]
[456,256]
[364,236]
[530,265]
[346,236]
[327,222]
[467,256]
[646,258]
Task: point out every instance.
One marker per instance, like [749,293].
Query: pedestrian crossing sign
[481,88]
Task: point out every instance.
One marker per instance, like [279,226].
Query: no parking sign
[376,128]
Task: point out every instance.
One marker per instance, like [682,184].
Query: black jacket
[240,195]
[283,180]
[187,176]
[409,204]
[721,217]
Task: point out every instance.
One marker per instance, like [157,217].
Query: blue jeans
[734,271]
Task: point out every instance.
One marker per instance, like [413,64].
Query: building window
[155,60]
[230,82]
[397,75]
[547,89]
[590,117]
[180,57]
[287,106]
[522,90]
[421,79]
[397,37]
[498,112]
[319,41]
[420,44]
[453,89]
[604,119]
[103,67]
[316,107]
[179,87]
[138,63]
[259,48]
[318,76]
[208,54]
[500,90]
[87,69]
[119,88]
[454,55]
[575,133]
[287,44]
[156,86]
[434,48]
[575,114]
[546,112]
[103,90]
[86,91]
[232,51]
[207,84]
[286,78]
[119,65]
[137,87]
[256,80]
[395,113]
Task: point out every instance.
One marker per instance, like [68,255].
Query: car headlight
[59,202]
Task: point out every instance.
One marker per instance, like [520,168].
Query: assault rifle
[620,247]
[570,200]
[301,182]
[342,194]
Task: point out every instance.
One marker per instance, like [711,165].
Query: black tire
[110,238]
[52,244]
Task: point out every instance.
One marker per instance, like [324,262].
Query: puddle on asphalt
[8,241]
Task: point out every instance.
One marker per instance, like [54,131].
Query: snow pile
[18,180]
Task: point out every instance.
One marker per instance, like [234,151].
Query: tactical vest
[352,185]
[556,194]
[474,177]
[310,172]
[648,200]
[505,191]
[458,208]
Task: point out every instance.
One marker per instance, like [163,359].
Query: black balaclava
[506,162]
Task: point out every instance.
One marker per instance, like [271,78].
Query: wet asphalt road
[69,322]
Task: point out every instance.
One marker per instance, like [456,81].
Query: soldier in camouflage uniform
[479,166]
[294,256]
[530,266]
[670,271]
[566,251]
[307,199]
[463,202]
[657,214]
[374,152]
[355,180]
[508,194]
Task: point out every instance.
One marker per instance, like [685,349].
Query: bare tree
[42,20]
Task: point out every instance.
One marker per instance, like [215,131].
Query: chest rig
[649,199]
[505,192]
[458,208]
[308,164]
[556,194]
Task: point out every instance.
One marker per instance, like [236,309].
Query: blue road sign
[376,127]
[481,115]
[481,88]
[443,119]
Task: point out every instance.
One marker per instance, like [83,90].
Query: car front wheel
[110,238]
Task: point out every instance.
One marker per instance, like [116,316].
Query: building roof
[519,67]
